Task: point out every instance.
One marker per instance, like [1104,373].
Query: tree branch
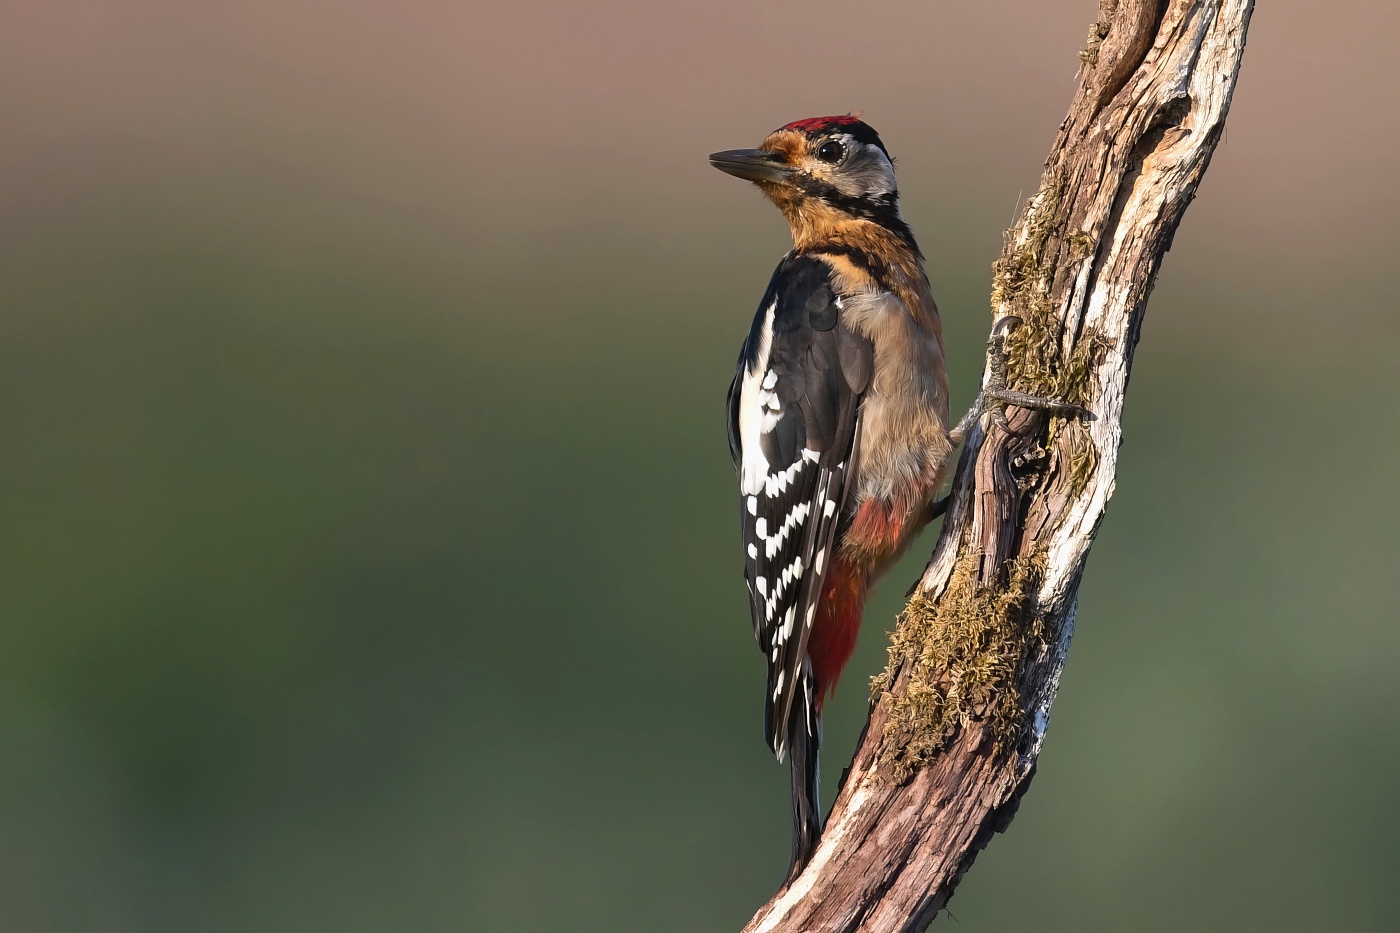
[959,716]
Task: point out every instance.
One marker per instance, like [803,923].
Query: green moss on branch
[1021,286]
[965,654]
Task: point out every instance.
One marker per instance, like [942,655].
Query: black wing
[794,407]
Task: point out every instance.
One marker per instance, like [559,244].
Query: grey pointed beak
[752,164]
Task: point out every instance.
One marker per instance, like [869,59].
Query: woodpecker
[838,421]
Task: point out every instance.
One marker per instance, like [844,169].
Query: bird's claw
[995,397]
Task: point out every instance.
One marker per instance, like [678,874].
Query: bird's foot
[995,397]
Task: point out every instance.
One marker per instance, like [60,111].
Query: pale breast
[904,449]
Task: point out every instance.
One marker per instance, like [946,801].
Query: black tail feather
[804,742]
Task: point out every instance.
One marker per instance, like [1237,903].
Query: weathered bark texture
[958,718]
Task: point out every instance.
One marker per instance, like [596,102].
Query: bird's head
[824,174]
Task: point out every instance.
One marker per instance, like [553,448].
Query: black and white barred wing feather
[794,411]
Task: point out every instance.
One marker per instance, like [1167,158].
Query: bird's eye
[831,151]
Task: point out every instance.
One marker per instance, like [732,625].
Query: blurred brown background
[368,550]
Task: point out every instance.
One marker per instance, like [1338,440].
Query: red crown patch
[815,124]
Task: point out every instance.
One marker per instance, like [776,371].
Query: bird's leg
[995,396]
[936,508]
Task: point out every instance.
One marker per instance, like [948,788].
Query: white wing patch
[753,410]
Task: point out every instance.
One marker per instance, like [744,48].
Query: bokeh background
[368,557]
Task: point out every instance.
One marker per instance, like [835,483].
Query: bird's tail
[803,744]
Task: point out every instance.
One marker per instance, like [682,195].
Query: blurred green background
[368,543]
